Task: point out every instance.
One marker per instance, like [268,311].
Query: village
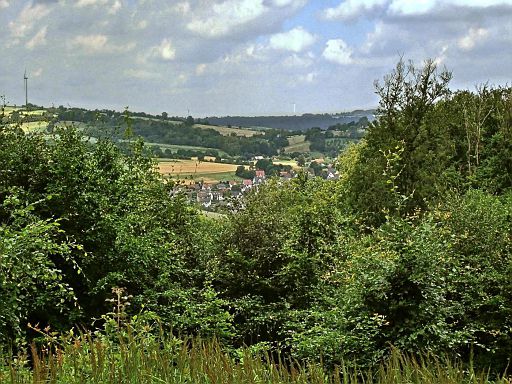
[223,194]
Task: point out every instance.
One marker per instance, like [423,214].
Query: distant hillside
[293,123]
[233,138]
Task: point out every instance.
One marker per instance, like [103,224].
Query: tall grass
[141,359]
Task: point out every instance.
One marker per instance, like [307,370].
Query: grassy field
[155,119]
[10,109]
[291,163]
[194,170]
[146,358]
[226,131]
[297,144]
[35,126]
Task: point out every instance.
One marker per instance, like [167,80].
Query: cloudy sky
[241,57]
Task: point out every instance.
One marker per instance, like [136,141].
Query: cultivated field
[194,170]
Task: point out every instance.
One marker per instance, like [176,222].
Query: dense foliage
[412,247]
[78,220]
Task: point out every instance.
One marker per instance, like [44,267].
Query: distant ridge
[293,123]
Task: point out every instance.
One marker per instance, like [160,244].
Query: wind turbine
[25,81]
[294,108]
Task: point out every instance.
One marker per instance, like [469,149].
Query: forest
[403,266]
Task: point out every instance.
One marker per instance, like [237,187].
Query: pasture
[298,143]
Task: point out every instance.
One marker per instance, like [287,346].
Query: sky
[241,57]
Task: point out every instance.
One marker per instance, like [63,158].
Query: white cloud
[165,50]
[295,40]
[98,43]
[299,61]
[141,74]
[27,18]
[474,36]
[282,3]
[308,78]
[37,73]
[337,51]
[441,57]
[38,39]
[242,51]
[417,7]
[87,3]
[182,7]
[90,43]
[115,7]
[200,68]
[480,3]
[351,9]
[226,16]
[142,24]
[407,7]
[4,4]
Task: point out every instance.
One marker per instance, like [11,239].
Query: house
[259,177]
[332,174]
[236,194]
[285,175]
[217,196]
[246,185]
[258,180]
[204,198]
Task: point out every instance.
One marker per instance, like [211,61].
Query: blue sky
[241,57]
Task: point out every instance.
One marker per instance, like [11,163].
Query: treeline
[337,137]
[293,123]
[164,131]
[179,131]
[412,247]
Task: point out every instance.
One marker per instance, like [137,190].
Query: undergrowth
[143,357]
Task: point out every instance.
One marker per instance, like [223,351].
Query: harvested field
[187,170]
